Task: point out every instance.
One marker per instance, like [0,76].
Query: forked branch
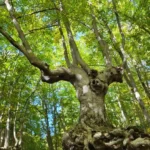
[100,39]
[77,59]
[47,75]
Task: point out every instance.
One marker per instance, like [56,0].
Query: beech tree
[93,131]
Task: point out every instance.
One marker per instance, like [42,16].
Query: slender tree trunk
[128,77]
[14,132]
[147,91]
[7,131]
[49,138]
[101,41]
[17,144]
[138,71]
[122,54]
[136,94]
[55,126]
[2,135]
[123,118]
[20,136]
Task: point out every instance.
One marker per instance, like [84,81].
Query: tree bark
[93,132]
[7,132]
[147,91]
[123,114]
[101,41]
[77,59]
[91,90]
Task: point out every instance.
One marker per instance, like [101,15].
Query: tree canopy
[49,41]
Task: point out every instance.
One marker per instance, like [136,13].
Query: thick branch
[77,59]
[119,23]
[57,75]
[17,26]
[64,46]
[63,40]
[12,41]
[101,41]
[101,80]
[25,49]
[48,75]
[114,74]
[30,56]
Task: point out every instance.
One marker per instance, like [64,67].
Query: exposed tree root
[106,138]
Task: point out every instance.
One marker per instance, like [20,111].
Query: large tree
[93,131]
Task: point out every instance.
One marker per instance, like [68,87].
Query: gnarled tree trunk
[91,90]
[93,132]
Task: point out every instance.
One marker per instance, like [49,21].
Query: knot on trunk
[116,74]
[98,86]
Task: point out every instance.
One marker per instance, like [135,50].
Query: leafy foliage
[26,98]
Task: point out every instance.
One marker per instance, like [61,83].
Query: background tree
[49,22]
